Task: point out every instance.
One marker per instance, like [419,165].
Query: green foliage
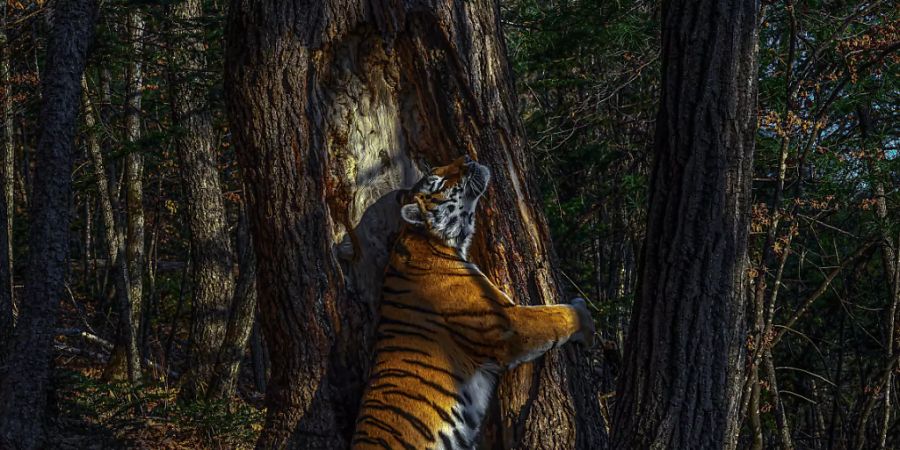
[587,75]
[148,416]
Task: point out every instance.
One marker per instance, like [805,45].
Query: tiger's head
[443,202]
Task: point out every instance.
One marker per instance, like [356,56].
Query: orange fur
[445,333]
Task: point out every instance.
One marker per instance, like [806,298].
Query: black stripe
[392,272]
[394,333]
[445,255]
[446,440]
[440,412]
[442,370]
[459,418]
[378,423]
[413,420]
[408,307]
[480,329]
[391,291]
[374,441]
[463,443]
[466,313]
[403,323]
[400,349]
[470,421]
[476,313]
[401,373]
[466,342]
[382,386]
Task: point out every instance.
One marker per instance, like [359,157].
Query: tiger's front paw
[586,329]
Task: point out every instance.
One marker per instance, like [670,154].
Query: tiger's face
[443,202]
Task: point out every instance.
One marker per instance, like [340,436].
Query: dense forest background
[158,342]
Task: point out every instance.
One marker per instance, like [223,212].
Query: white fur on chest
[476,395]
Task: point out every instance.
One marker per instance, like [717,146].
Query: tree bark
[334,106]
[211,250]
[684,357]
[25,378]
[258,355]
[7,172]
[125,359]
[241,317]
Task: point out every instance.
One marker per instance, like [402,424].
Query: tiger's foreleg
[536,329]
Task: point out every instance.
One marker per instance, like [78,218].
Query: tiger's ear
[412,214]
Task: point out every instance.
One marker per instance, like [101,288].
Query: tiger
[445,331]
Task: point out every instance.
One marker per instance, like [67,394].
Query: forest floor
[87,412]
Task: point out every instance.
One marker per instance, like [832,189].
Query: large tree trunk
[684,356]
[24,379]
[211,249]
[126,356]
[6,188]
[334,107]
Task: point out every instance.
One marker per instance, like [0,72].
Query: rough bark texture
[24,379]
[6,189]
[335,105]
[241,318]
[211,250]
[126,359]
[680,386]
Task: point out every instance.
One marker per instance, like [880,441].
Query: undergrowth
[115,415]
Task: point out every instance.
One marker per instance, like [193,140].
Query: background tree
[822,321]
[211,251]
[25,375]
[7,299]
[680,387]
[126,357]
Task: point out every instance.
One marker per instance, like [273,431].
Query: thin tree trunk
[328,123]
[753,405]
[890,266]
[781,420]
[115,243]
[243,314]
[684,354]
[87,240]
[7,174]
[151,308]
[25,381]
[833,426]
[125,359]
[211,249]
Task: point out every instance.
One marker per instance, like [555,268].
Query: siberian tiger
[445,330]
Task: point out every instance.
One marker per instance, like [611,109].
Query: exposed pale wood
[335,106]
